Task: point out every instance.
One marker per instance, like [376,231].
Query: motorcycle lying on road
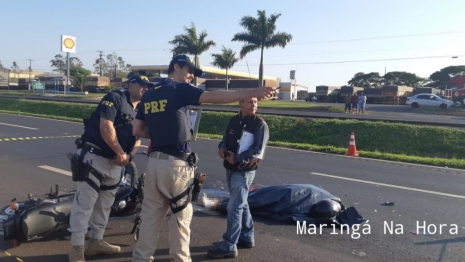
[39,216]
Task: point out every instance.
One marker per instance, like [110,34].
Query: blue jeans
[240,223]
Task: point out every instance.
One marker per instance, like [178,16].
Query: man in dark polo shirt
[163,118]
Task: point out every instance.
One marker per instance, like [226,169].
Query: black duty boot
[245,244]
[220,253]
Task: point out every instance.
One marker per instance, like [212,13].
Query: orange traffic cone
[148,147]
[352,148]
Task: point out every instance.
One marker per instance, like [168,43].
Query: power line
[314,42]
[358,61]
[374,38]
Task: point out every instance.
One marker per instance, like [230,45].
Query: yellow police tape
[9,255]
[34,137]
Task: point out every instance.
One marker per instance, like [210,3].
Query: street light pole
[67,73]
[30,70]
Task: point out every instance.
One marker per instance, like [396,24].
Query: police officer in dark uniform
[105,147]
[163,118]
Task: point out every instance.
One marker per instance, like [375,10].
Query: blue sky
[323,31]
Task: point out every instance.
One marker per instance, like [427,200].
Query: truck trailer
[374,95]
[428,90]
[393,94]
[322,92]
[348,90]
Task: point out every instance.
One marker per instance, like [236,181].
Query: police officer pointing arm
[163,118]
[96,167]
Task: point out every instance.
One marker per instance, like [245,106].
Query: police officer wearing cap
[105,147]
[163,118]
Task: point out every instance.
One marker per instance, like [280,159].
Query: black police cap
[185,60]
[143,80]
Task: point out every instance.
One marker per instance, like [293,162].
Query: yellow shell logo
[69,43]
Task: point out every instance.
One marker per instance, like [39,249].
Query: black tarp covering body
[291,203]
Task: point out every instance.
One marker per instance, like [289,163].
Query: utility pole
[100,62]
[30,70]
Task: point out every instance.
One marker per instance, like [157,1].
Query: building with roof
[214,78]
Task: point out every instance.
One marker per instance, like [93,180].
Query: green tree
[112,66]
[59,63]
[80,76]
[1,66]
[225,60]
[440,78]
[370,80]
[260,34]
[191,44]
[402,78]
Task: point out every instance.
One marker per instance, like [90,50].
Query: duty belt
[91,148]
[166,156]
[190,158]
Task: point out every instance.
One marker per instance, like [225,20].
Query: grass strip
[289,105]
[329,136]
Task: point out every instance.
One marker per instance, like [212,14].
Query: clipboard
[246,141]
[194,115]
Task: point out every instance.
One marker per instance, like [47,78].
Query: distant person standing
[354,103]
[362,101]
[348,100]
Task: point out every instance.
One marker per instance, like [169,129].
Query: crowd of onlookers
[355,104]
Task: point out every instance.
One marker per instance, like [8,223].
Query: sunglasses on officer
[189,69]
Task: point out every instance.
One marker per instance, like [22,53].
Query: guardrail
[282,112]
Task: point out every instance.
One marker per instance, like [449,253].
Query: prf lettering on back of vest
[107,103]
[155,106]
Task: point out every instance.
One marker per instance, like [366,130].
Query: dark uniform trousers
[91,208]
[166,177]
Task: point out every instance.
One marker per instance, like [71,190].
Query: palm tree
[260,34]
[192,44]
[225,60]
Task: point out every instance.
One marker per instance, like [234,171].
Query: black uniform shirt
[112,106]
[186,95]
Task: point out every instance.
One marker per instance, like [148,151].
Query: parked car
[311,98]
[428,100]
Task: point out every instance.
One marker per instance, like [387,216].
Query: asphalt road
[420,193]
[374,112]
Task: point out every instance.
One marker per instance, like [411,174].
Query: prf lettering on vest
[155,106]
[107,103]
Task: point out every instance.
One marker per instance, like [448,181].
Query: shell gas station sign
[68,44]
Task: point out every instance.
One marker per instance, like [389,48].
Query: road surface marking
[34,137]
[8,254]
[56,170]
[19,126]
[389,185]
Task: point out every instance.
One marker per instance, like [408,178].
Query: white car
[428,100]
